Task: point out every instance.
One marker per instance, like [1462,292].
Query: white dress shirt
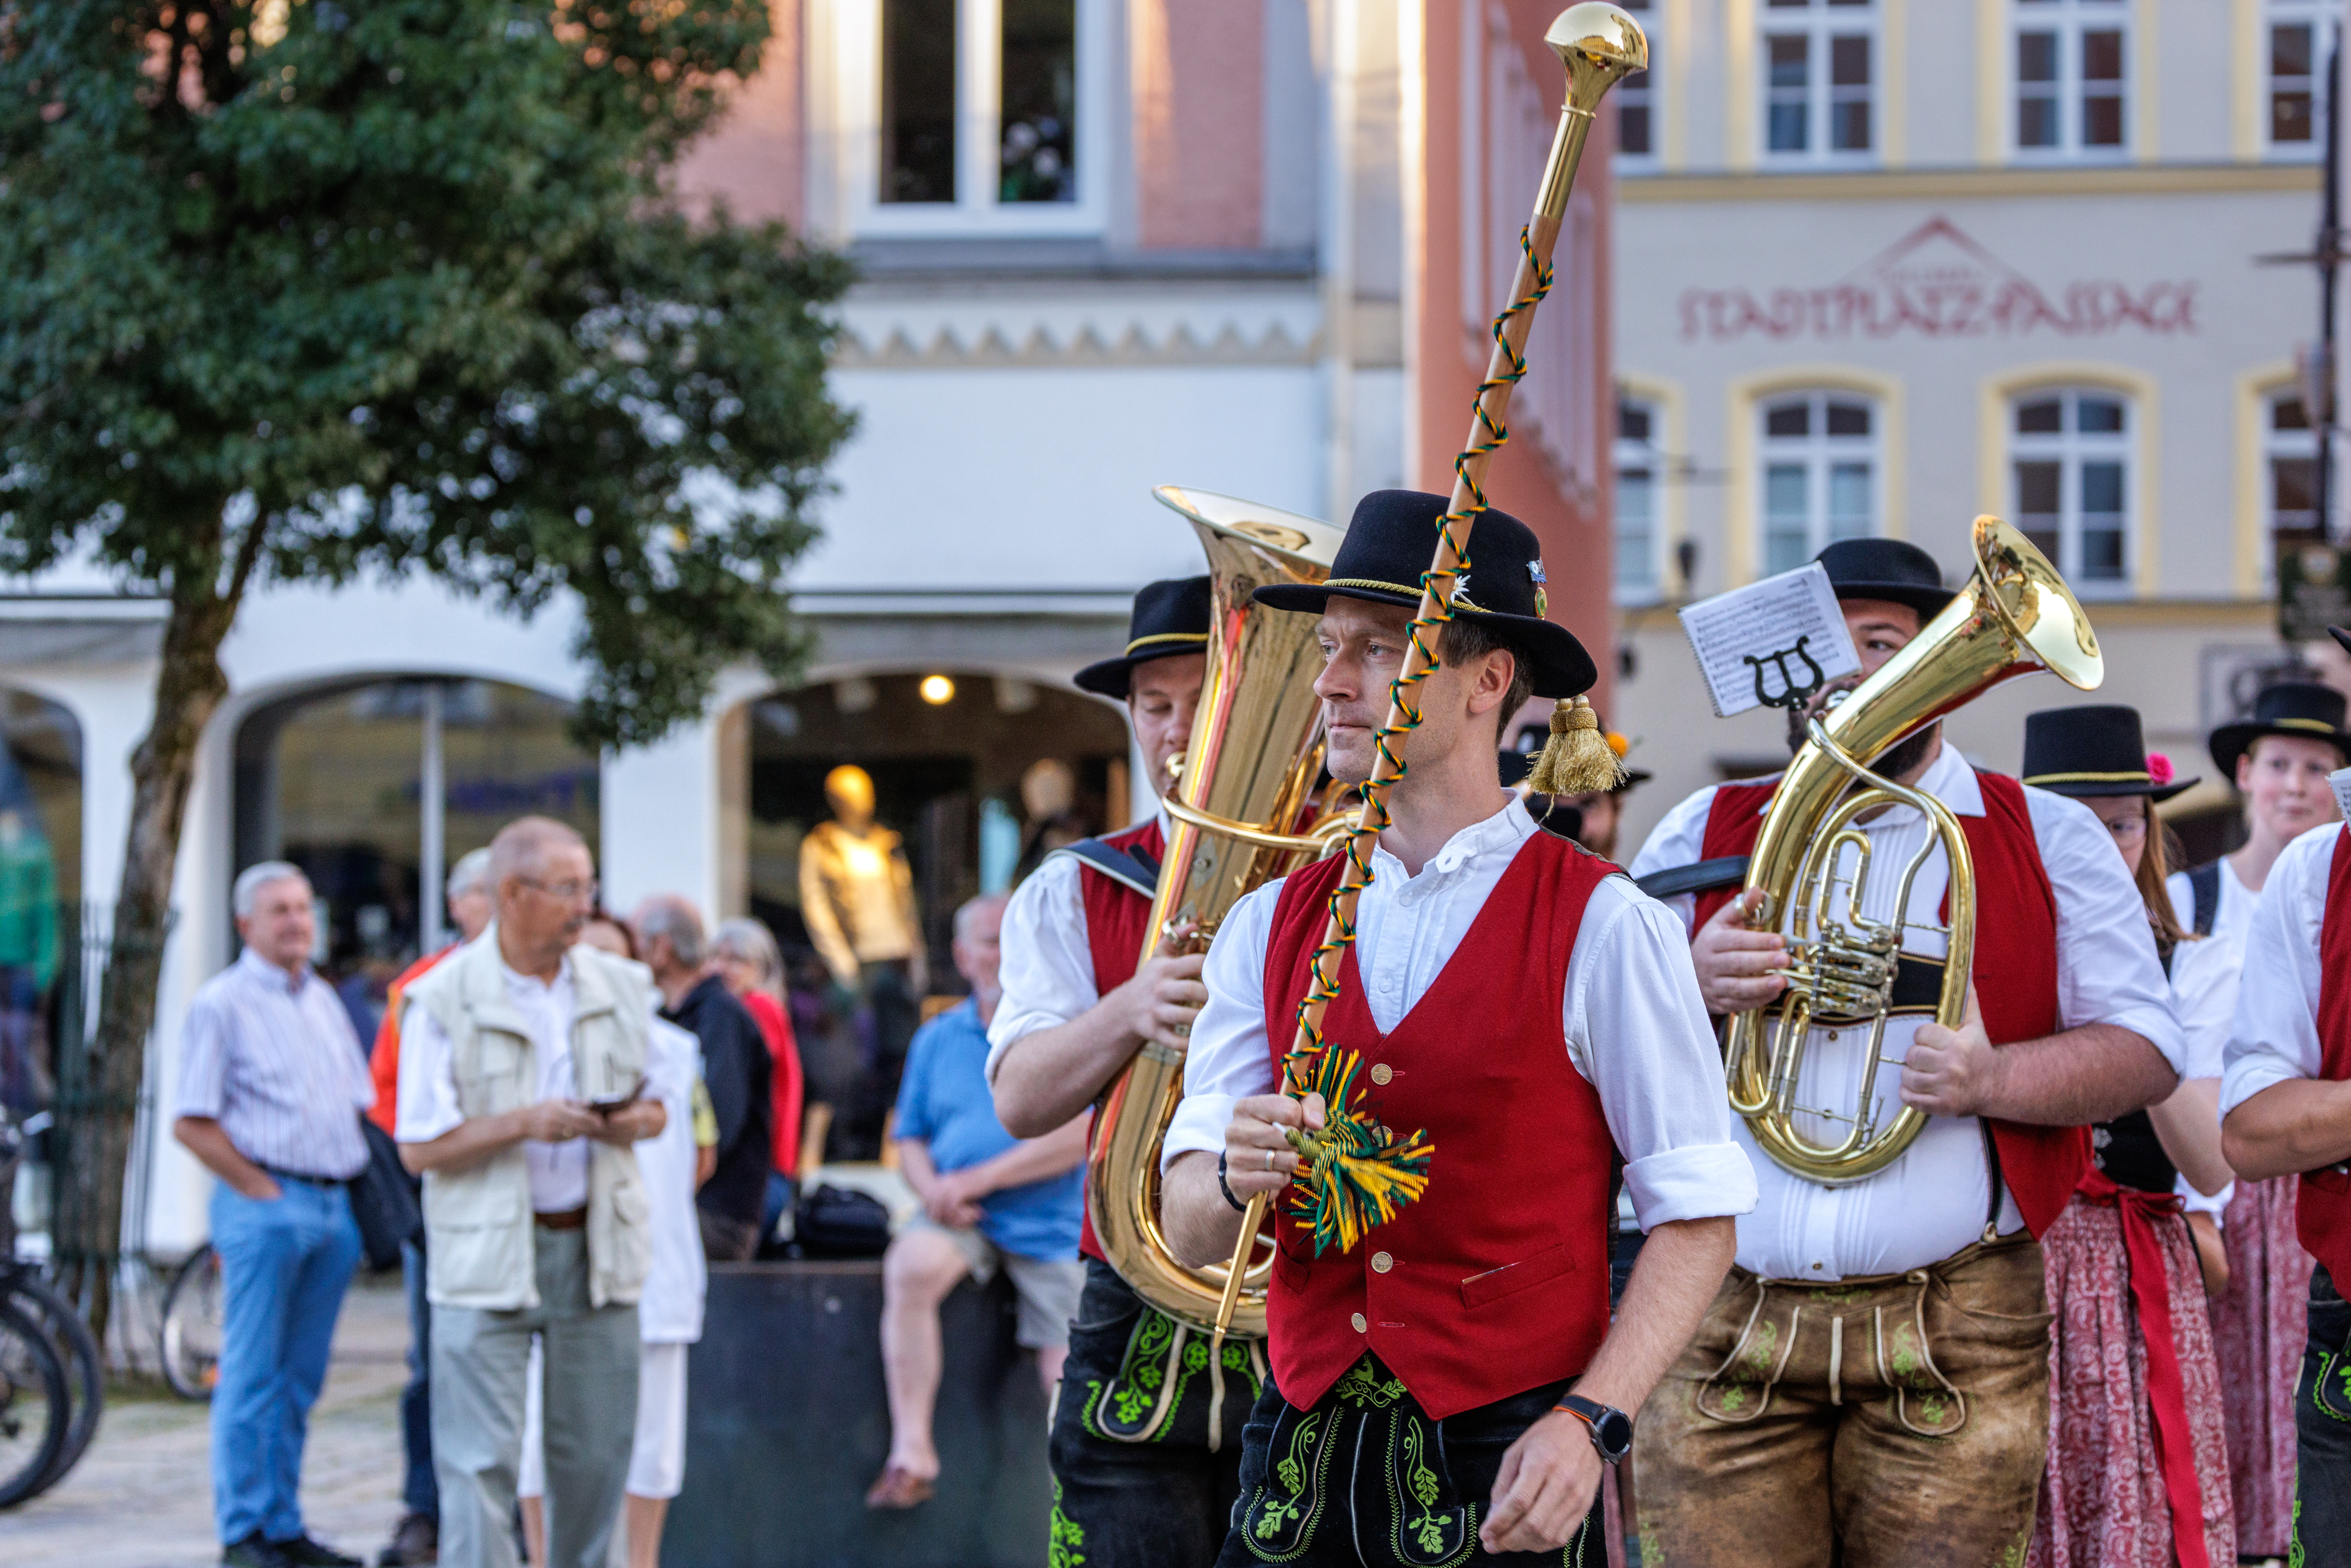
[2234,917]
[2204,997]
[1633,1024]
[2275,1036]
[270,1056]
[1933,1200]
[1048,968]
[428,1084]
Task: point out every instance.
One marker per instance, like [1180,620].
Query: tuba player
[1871,1388]
[1135,1479]
[1452,1381]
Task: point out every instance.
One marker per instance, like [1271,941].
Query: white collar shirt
[1936,1199]
[2275,1038]
[428,1083]
[2235,914]
[1047,969]
[1632,1023]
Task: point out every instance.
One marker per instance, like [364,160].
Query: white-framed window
[2070,461]
[2295,37]
[975,116]
[1637,127]
[2073,87]
[1820,474]
[1640,497]
[2290,463]
[1820,72]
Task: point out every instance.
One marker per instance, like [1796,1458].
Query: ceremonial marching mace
[1599,44]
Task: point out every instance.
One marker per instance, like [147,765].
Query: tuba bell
[2014,617]
[1247,782]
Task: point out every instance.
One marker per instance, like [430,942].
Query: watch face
[1616,1433]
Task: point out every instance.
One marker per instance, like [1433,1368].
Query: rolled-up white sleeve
[2275,1037]
[1048,966]
[1677,839]
[1637,1030]
[1229,1059]
[2108,968]
[428,1079]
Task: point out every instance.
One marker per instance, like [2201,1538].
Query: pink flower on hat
[2159,768]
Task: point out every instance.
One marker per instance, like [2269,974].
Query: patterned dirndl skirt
[2103,1503]
[2259,1325]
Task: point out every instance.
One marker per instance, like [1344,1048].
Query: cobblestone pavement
[141,1496]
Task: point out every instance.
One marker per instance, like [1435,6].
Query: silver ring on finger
[1268,1159]
[1181,1030]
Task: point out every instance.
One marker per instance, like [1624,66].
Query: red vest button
[1360,1326]
[1382,1263]
[1382,1073]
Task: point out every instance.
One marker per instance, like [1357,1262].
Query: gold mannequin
[857,893]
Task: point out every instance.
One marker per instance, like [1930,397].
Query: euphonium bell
[2014,617]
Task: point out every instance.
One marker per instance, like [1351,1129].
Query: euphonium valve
[1812,861]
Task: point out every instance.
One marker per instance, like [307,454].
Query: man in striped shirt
[271,1084]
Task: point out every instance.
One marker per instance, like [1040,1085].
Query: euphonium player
[1134,1480]
[1871,1388]
[1514,996]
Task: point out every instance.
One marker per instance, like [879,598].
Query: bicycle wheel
[35,1410]
[76,1351]
[191,1326]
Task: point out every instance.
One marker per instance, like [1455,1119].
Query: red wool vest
[1116,917]
[2015,967]
[1497,1279]
[2322,1215]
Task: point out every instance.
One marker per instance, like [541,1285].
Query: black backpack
[841,1222]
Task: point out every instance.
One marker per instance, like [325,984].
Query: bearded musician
[1871,1386]
[1136,1480]
[1452,1381]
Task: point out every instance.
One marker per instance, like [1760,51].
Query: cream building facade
[1886,264]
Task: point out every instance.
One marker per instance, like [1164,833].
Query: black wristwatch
[1612,1430]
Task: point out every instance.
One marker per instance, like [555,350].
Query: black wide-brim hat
[2092,753]
[1892,569]
[1390,543]
[1170,618]
[2302,710]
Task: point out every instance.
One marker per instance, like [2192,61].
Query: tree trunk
[99,1110]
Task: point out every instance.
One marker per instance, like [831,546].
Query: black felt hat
[1891,569]
[1389,545]
[1169,618]
[2091,753]
[2303,710]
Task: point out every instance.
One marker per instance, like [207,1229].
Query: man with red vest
[1872,1385]
[2285,1110]
[1452,1381]
[1136,1480]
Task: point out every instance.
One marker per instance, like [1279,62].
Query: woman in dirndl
[2137,1474]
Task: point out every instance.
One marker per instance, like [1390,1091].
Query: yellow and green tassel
[1354,1173]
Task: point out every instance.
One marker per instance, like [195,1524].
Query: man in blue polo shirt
[990,1201]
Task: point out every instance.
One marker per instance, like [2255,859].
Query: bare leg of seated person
[923,1265]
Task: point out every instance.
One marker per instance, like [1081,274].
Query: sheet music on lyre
[1771,642]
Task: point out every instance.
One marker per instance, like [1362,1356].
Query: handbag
[383,1200]
[841,1222]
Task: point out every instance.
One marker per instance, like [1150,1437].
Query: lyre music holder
[1791,695]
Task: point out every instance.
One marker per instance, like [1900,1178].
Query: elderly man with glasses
[522,1065]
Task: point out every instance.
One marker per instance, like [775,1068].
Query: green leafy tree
[329,291]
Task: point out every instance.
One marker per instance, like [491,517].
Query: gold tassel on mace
[1577,759]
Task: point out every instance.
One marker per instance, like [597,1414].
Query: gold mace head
[1600,45]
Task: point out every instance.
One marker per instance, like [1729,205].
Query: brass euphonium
[1248,783]
[2014,617]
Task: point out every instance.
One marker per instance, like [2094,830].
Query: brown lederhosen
[1900,1419]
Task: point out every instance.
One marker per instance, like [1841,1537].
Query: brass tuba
[2015,616]
[1247,782]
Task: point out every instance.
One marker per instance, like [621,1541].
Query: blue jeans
[418,1489]
[285,1264]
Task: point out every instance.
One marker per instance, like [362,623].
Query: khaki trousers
[1873,1423]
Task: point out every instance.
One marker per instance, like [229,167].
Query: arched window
[374,788]
[2071,463]
[1820,474]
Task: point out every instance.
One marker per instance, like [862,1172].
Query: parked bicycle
[52,1377]
[190,1336]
